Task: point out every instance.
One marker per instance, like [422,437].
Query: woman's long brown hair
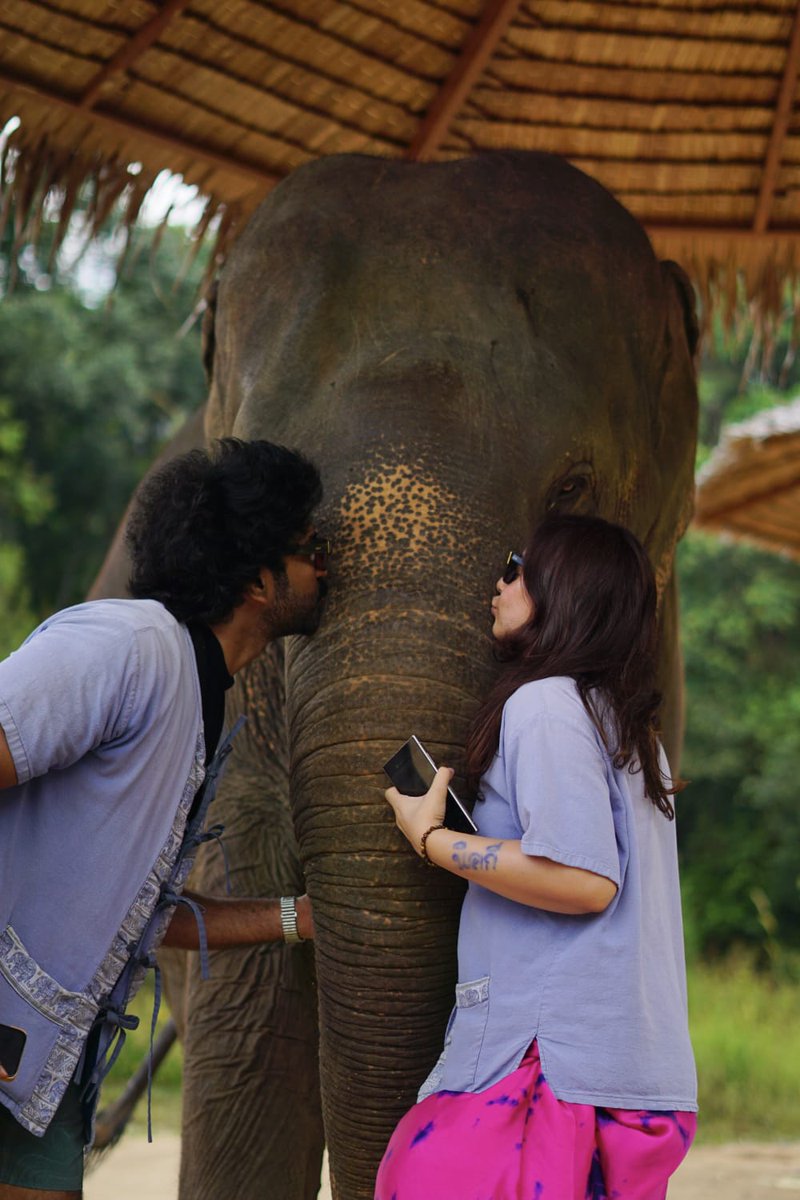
[594,619]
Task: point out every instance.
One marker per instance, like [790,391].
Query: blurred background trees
[739,825]
[93,382]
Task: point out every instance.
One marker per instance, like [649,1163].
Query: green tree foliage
[88,394]
[25,500]
[740,818]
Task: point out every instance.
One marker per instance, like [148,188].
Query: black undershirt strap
[214,682]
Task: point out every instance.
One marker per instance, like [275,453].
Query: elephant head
[461,347]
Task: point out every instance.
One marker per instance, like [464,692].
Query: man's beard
[290,613]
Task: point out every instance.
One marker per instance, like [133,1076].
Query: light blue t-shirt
[604,993]
[102,713]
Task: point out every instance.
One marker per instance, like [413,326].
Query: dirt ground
[736,1171]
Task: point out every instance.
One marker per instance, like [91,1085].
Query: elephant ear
[676,278]
[674,452]
[207,333]
[675,425]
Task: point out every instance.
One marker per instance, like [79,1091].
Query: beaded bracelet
[423,843]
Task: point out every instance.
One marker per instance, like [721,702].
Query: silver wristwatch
[289,920]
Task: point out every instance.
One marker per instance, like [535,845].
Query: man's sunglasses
[317,550]
[513,567]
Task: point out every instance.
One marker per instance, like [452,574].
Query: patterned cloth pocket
[54,1020]
[467,1025]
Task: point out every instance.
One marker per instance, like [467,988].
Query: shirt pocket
[48,1014]
[458,1063]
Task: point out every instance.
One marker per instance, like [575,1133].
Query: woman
[567,1071]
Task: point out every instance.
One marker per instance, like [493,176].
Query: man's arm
[231,921]
[8,772]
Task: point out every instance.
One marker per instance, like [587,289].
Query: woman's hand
[415,814]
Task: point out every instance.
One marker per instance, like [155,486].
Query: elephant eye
[576,490]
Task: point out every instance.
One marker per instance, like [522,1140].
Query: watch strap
[289,920]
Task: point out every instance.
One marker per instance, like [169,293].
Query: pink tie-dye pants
[516,1141]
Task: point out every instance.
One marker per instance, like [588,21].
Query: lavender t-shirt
[605,993]
[101,709]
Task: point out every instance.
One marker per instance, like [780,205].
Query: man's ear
[261,589]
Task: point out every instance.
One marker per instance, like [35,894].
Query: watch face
[12,1043]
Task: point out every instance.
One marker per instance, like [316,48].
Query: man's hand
[305,918]
[8,772]
[231,921]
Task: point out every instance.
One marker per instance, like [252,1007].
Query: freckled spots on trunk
[396,509]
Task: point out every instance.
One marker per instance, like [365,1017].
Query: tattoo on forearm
[485,860]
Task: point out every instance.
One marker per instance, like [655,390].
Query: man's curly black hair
[204,525]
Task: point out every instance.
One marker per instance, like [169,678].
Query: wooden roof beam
[157,137]
[739,233]
[477,50]
[780,125]
[149,33]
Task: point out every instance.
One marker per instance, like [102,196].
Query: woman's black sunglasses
[513,567]
[317,550]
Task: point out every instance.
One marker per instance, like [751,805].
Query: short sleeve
[66,691]
[556,773]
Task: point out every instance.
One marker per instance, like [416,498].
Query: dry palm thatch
[683,108]
[750,488]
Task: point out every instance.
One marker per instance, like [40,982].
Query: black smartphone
[412,769]
[12,1043]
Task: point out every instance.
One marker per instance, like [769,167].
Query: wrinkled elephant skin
[461,347]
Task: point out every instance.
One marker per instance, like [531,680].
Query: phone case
[12,1043]
[412,770]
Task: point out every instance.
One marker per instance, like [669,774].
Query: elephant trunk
[386,923]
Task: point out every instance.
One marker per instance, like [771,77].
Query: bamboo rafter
[126,56]
[477,51]
[783,112]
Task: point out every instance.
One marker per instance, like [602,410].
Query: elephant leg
[252,1122]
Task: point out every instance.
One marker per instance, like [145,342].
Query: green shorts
[53,1163]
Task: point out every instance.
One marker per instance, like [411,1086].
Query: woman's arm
[501,866]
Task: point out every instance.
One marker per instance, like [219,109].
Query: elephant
[461,347]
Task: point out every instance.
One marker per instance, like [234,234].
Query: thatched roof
[684,110]
[750,487]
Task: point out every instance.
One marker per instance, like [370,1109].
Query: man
[110,714]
